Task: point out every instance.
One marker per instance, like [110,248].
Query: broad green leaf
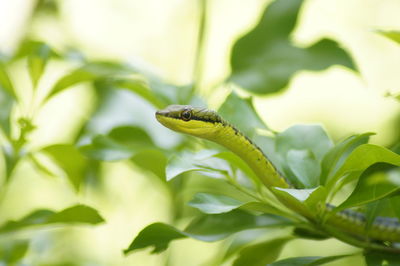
[363,157]
[70,160]
[153,160]
[215,227]
[242,239]
[202,161]
[89,72]
[396,148]
[104,148]
[121,143]
[5,82]
[372,187]
[78,214]
[158,235]
[139,87]
[304,137]
[30,47]
[205,228]
[307,261]
[247,120]
[11,252]
[264,60]
[304,165]
[212,203]
[37,61]
[303,201]
[130,136]
[236,162]
[392,35]
[261,253]
[373,210]
[7,99]
[336,156]
[172,94]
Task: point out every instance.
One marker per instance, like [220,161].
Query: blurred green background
[160,39]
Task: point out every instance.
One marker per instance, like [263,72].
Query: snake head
[196,121]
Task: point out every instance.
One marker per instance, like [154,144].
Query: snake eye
[186,115]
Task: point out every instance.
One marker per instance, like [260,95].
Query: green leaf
[139,87]
[307,261]
[37,61]
[212,203]
[89,72]
[304,201]
[30,47]
[5,82]
[304,137]
[372,187]
[76,214]
[11,252]
[202,161]
[7,99]
[237,163]
[392,35]
[256,255]
[205,228]
[264,60]
[104,148]
[336,156]
[219,226]
[70,160]
[152,160]
[363,157]
[80,214]
[304,165]
[158,235]
[247,120]
[242,239]
[373,210]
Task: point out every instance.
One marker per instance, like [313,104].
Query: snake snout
[161,112]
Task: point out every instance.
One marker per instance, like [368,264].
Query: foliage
[263,61]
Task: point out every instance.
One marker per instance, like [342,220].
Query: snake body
[207,124]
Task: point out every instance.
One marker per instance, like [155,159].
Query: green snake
[207,124]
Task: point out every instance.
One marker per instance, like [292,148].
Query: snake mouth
[161,113]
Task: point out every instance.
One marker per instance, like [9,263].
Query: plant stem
[269,202]
[359,243]
[200,47]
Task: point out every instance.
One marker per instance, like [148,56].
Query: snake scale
[207,124]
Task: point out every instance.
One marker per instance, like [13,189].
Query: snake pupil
[186,115]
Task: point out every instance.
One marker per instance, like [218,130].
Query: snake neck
[231,138]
